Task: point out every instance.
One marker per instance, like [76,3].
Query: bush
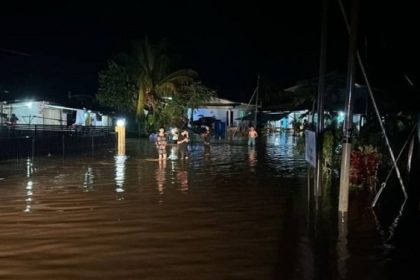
[364,164]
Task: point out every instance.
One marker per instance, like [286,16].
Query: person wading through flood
[183,144]
[252,134]
[205,134]
[161,143]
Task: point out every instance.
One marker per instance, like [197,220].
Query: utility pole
[348,120]
[320,101]
[256,101]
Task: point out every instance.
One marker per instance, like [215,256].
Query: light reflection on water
[227,212]
[120,174]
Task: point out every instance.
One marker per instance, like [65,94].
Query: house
[273,121]
[46,113]
[299,100]
[43,128]
[223,110]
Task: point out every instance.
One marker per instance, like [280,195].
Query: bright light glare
[29,104]
[121,122]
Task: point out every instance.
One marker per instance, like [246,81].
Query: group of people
[182,142]
[183,139]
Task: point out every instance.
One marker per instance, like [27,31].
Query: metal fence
[24,141]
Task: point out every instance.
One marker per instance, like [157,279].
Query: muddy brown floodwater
[228,212]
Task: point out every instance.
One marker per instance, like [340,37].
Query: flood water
[227,212]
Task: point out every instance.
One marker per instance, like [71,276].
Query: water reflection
[182,178]
[173,154]
[88,177]
[29,193]
[206,151]
[217,222]
[29,186]
[29,167]
[342,251]
[120,175]
[281,154]
[161,176]
[252,158]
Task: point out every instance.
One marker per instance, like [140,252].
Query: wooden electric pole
[348,120]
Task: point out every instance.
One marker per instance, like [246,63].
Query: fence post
[62,143]
[93,145]
[33,148]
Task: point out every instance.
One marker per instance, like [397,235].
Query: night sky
[51,49]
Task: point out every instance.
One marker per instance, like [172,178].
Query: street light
[120,130]
[121,122]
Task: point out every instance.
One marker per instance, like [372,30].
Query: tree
[173,111]
[154,80]
[140,84]
[117,87]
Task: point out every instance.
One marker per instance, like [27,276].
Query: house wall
[287,122]
[52,116]
[27,112]
[83,115]
[280,124]
[41,113]
[227,115]
[106,121]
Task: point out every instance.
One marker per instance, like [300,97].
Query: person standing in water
[206,134]
[252,134]
[183,144]
[161,143]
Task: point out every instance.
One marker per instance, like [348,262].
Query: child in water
[161,143]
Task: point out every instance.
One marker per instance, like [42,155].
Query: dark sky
[227,42]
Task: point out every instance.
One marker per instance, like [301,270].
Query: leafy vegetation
[364,166]
[141,84]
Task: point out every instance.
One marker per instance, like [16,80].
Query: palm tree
[154,83]
[140,83]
